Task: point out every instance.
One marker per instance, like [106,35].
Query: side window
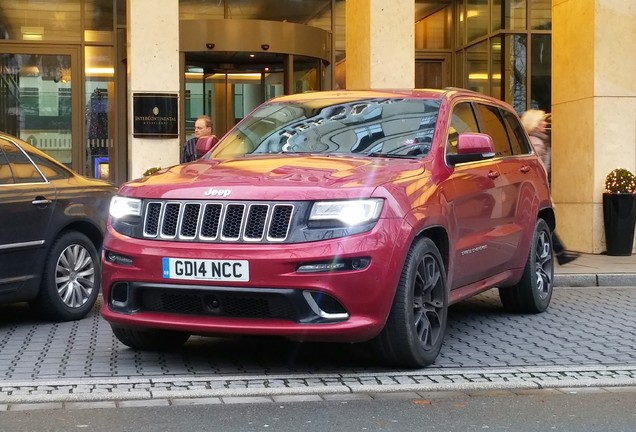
[50,170]
[6,175]
[518,138]
[491,123]
[462,120]
[23,169]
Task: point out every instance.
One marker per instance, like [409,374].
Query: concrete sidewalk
[597,271]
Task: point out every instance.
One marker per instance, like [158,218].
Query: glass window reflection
[477,68]
[51,20]
[541,14]
[477,19]
[540,65]
[36,104]
[434,31]
[515,89]
[515,13]
[99,110]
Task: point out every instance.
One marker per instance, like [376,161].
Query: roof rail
[460,89]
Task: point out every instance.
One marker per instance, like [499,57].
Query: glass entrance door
[227,86]
[37,99]
[227,97]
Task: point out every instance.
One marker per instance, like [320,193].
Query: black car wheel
[71,279]
[534,291]
[415,328]
[150,339]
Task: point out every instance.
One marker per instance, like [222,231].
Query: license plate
[212,270]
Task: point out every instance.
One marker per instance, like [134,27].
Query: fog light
[360,263]
[114,258]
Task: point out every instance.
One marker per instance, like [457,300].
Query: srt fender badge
[217,192]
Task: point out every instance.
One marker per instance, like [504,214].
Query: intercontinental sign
[155,115]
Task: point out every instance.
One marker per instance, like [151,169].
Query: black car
[52,222]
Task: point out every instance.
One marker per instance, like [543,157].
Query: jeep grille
[249,222]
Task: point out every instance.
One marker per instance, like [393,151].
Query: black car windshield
[381,127]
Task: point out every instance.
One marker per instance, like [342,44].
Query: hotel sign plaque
[155,115]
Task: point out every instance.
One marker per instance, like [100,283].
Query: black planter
[619,216]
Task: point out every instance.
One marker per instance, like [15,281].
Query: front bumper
[341,305]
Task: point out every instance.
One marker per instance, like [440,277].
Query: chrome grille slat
[221,222]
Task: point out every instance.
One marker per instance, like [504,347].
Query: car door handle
[524,169]
[41,202]
[493,174]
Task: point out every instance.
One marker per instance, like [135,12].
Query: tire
[150,340]
[415,329]
[534,291]
[71,279]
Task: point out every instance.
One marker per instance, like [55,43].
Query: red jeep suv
[344,216]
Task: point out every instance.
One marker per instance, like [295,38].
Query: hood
[274,177]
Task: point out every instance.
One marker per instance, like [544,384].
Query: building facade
[78,76]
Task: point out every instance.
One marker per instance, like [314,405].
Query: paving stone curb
[226,388]
[579,280]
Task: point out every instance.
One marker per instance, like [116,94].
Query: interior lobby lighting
[483,76]
[100,71]
[230,76]
[32,33]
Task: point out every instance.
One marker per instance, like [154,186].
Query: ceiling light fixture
[32,33]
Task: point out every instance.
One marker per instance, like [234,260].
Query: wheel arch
[547,214]
[94,234]
[439,236]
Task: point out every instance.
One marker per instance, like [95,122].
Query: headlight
[352,212]
[121,207]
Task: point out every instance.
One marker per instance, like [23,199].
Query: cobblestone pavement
[586,339]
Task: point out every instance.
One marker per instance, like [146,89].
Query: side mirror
[472,147]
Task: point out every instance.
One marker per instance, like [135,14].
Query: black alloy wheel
[534,291]
[415,329]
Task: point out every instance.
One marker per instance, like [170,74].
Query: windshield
[376,127]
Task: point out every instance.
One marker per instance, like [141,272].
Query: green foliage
[620,180]
[151,171]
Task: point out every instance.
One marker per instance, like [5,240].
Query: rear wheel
[71,280]
[534,291]
[150,340]
[415,328]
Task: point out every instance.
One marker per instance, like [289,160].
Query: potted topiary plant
[619,211]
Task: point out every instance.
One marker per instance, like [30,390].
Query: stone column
[593,111]
[153,67]
[380,44]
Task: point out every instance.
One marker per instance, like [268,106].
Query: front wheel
[151,340]
[71,280]
[415,328]
[534,291]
